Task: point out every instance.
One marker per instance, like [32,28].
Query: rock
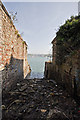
[45,93]
[52,94]
[31,85]
[18,84]
[48,96]
[31,106]
[3,107]
[31,91]
[43,110]
[24,94]
[16,90]
[50,113]
[60,93]
[23,88]
[17,101]
[29,110]
[47,80]
[49,105]
[52,81]
[56,94]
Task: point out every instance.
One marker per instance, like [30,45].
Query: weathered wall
[48,70]
[68,73]
[13,51]
[54,48]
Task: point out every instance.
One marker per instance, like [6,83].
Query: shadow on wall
[12,73]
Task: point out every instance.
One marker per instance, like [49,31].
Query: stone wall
[13,51]
[54,50]
[68,73]
[48,70]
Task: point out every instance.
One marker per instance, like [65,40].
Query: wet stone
[39,99]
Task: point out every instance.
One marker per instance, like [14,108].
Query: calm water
[37,64]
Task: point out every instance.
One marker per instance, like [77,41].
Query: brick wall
[13,51]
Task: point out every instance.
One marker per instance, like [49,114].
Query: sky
[39,22]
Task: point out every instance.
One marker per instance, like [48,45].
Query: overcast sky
[40,21]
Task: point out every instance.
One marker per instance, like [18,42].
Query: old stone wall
[71,73]
[13,51]
[48,70]
[67,73]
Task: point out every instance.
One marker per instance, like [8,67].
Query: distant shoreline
[41,55]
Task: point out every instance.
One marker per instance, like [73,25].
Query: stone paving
[39,99]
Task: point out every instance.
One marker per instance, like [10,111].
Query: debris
[42,100]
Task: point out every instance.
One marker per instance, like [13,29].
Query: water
[37,64]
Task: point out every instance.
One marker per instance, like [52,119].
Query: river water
[37,64]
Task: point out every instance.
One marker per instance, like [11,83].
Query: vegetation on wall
[16,32]
[24,42]
[18,35]
[13,16]
[68,38]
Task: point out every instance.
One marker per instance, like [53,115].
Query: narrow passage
[33,99]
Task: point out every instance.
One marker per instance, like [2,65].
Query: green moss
[68,38]
[16,32]
[23,42]
[18,35]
